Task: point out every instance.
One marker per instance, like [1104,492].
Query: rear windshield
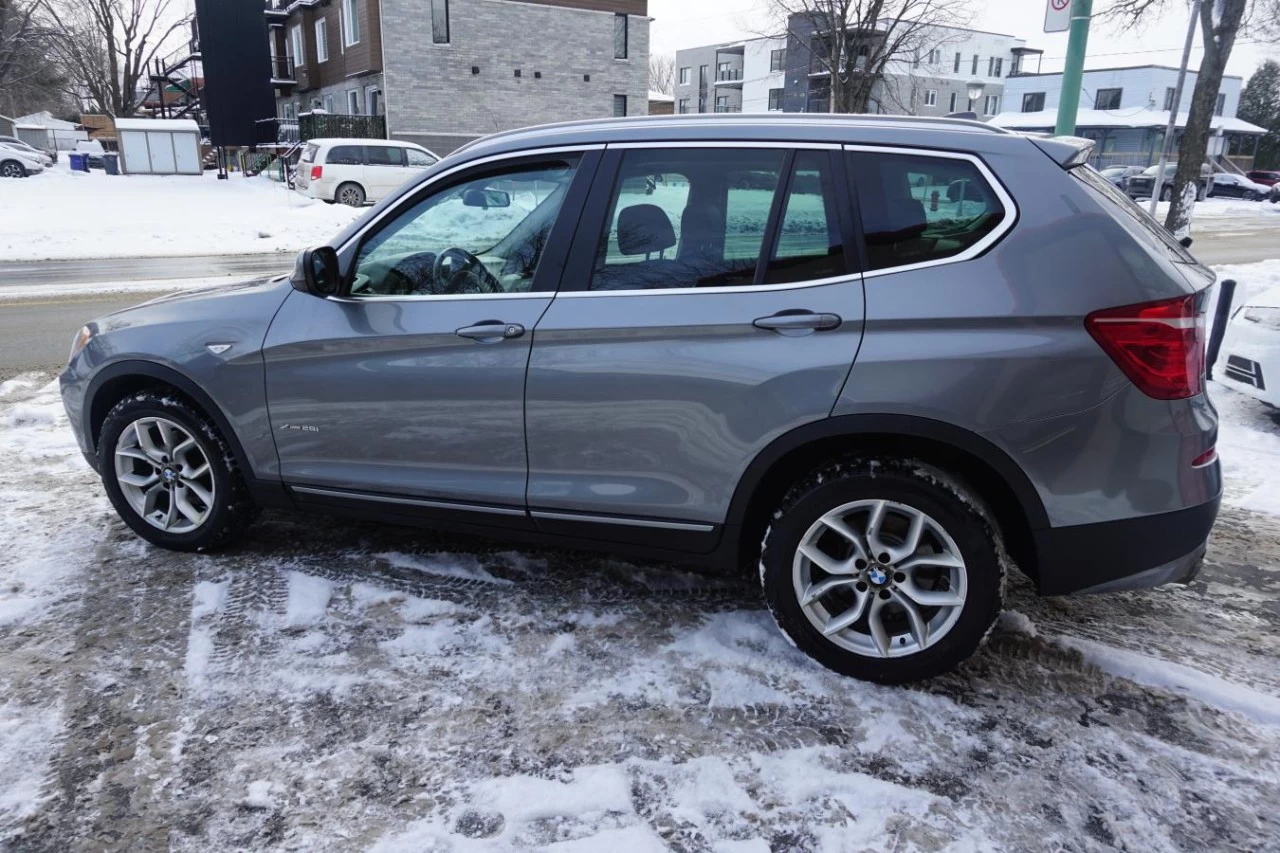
[1136,220]
[309,155]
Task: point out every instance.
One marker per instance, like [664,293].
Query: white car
[357,171]
[17,163]
[1249,360]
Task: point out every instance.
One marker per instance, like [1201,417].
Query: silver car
[878,361]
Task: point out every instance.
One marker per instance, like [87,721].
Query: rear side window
[346,155]
[809,245]
[1127,212]
[918,208]
[384,155]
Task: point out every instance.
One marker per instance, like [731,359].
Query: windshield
[1130,215]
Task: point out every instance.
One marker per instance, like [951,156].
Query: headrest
[644,228]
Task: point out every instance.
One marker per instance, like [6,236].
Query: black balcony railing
[729,76]
[282,69]
[326,125]
[728,108]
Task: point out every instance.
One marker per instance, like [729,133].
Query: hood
[218,292]
[246,300]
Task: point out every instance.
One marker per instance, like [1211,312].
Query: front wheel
[1250,195]
[170,475]
[882,570]
[12,169]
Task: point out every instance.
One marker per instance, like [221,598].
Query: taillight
[316,172]
[1159,345]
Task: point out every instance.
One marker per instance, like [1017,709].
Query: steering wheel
[459,271]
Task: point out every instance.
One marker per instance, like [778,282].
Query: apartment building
[784,74]
[445,72]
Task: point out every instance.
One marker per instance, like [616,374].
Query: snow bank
[61,215]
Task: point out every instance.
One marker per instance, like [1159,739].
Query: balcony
[728,108]
[729,77]
[283,74]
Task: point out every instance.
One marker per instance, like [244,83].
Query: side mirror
[316,272]
[1185,242]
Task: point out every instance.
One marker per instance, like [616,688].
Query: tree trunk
[1218,41]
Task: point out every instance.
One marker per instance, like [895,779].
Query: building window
[1221,104]
[350,23]
[998,62]
[974,71]
[373,100]
[957,66]
[682,106]
[1033,102]
[723,71]
[619,105]
[952,108]
[686,74]
[295,46]
[992,105]
[440,21]
[778,59]
[935,56]
[322,40]
[722,103]
[328,103]
[353,102]
[1168,98]
[702,76]
[930,97]
[1107,99]
[775,100]
[620,36]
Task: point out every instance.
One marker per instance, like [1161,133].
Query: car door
[408,387]
[385,169]
[711,304]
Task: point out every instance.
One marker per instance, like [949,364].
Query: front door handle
[794,323]
[491,331]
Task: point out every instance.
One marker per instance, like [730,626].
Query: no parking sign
[1057,16]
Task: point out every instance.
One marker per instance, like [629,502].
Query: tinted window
[918,208]
[384,155]
[482,235]
[809,245]
[687,218]
[346,155]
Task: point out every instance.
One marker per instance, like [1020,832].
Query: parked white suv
[356,171]
[19,163]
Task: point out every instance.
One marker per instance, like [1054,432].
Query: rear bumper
[1135,553]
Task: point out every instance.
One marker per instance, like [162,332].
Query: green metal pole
[1073,70]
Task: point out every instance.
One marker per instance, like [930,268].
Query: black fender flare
[910,426]
[169,376]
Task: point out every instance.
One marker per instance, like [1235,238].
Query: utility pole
[1073,70]
[1177,101]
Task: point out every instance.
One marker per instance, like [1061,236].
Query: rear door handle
[798,322]
[491,331]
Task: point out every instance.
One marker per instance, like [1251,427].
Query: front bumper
[1134,553]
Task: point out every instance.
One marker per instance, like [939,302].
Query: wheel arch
[116,381]
[983,466]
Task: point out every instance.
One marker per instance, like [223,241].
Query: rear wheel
[883,570]
[349,194]
[12,169]
[1250,195]
[170,474]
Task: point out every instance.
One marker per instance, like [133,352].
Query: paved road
[1226,243]
[141,269]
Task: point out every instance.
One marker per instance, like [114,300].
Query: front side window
[778,59]
[620,36]
[1033,102]
[350,22]
[440,21]
[480,235]
[384,155]
[685,218]
[918,208]
[1107,99]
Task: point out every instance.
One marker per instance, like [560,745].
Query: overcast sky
[689,23]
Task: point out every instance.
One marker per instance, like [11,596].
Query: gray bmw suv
[879,360]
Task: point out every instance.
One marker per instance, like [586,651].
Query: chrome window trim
[629,522]
[422,502]
[997,233]
[426,185]
[780,144]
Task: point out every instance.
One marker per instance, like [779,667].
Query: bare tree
[29,79]
[856,44]
[662,73]
[1220,23]
[108,46]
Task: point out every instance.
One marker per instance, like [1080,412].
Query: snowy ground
[63,214]
[338,686]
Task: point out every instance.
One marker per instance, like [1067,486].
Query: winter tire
[350,194]
[883,570]
[12,169]
[170,474]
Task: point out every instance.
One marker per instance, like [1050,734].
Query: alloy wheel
[350,196]
[164,475]
[12,170]
[880,578]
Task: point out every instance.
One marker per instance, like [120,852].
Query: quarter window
[684,218]
[918,208]
[483,235]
